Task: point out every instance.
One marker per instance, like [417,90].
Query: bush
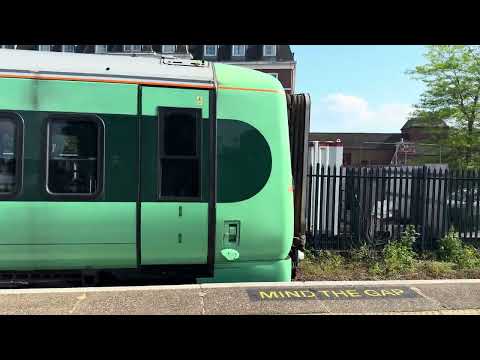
[364,254]
[309,255]
[399,255]
[324,259]
[452,249]
[329,261]
[469,258]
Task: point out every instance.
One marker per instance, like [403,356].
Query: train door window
[74,155]
[11,131]
[179,153]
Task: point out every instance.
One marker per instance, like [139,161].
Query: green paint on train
[117,175]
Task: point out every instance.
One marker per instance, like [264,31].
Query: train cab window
[74,146]
[179,153]
[10,148]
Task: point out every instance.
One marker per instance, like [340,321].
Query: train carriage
[115,163]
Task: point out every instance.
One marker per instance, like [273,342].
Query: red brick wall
[284,76]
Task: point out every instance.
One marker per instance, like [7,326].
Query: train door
[174,189]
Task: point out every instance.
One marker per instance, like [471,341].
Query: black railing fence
[347,207]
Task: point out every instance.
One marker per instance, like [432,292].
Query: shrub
[364,253]
[469,258]
[309,255]
[329,261]
[399,255]
[452,249]
[326,260]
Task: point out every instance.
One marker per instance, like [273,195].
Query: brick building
[277,60]
[362,149]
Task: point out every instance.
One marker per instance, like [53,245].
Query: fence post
[425,206]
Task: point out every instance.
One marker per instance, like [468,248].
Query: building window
[168,49]
[238,50]
[179,153]
[101,49]
[11,128]
[210,50]
[7,46]
[44,47]
[269,50]
[132,48]
[68,48]
[74,165]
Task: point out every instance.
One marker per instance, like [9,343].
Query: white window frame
[47,48]
[242,53]
[101,49]
[64,48]
[273,47]
[169,49]
[205,50]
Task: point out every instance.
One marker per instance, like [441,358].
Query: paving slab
[349,297]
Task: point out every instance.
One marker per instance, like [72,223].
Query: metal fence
[347,207]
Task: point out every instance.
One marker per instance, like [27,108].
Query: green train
[143,164]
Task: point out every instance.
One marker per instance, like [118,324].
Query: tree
[452,80]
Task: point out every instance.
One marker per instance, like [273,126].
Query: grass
[397,261]
[312,269]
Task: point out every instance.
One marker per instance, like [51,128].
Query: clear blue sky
[358,88]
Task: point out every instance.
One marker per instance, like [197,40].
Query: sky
[358,88]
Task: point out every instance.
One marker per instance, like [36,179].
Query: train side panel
[40,233]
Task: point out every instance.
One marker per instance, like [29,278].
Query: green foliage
[326,260]
[450,246]
[452,249]
[469,258]
[435,269]
[399,256]
[363,254]
[376,269]
[309,254]
[329,261]
[397,260]
[452,81]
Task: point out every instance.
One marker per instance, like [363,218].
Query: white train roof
[115,68]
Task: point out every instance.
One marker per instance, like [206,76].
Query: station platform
[307,298]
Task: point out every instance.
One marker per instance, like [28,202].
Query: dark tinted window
[244,161]
[8,155]
[180,134]
[180,178]
[179,145]
[73,155]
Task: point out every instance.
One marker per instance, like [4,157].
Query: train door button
[231,234]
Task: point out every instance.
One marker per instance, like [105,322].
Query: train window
[10,153]
[179,153]
[74,163]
